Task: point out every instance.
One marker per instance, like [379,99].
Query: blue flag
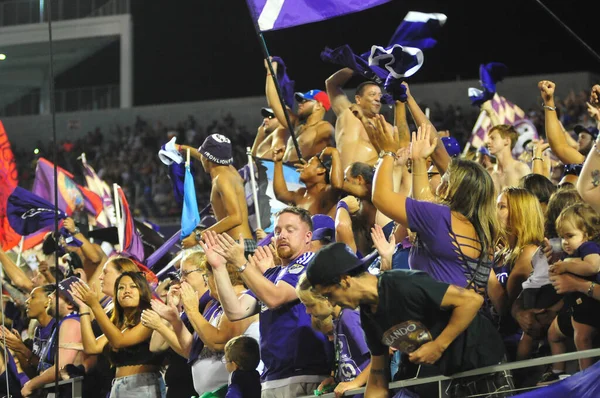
[190,217]
[583,384]
[28,213]
[281,14]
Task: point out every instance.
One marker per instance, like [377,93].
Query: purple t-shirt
[289,346]
[436,250]
[212,308]
[585,249]
[351,350]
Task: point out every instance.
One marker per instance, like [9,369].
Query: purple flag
[129,238]
[28,213]
[281,14]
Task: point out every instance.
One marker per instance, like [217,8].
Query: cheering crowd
[403,255]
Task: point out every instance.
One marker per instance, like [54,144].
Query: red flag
[8,181]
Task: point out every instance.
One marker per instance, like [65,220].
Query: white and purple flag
[281,14]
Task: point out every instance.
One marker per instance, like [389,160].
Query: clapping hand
[262,259]
[189,298]
[211,249]
[380,133]
[231,250]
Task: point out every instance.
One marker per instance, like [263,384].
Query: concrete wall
[26,130]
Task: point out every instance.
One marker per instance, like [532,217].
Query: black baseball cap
[267,112]
[335,260]
[593,131]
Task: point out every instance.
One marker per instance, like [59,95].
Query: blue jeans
[145,385]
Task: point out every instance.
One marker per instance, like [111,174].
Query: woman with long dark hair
[125,341]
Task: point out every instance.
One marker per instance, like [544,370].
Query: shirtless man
[312,132]
[320,194]
[270,135]
[507,171]
[227,196]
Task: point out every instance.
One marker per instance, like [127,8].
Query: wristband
[550,108]
[342,204]
[590,291]
[388,153]
[242,268]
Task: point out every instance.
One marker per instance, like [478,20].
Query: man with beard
[322,183]
[585,138]
[296,357]
[312,132]
[66,338]
[270,135]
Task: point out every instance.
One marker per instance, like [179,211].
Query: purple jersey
[351,351]
[436,250]
[41,336]
[289,346]
[212,309]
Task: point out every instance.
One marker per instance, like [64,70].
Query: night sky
[194,50]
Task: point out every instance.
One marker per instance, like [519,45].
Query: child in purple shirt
[242,356]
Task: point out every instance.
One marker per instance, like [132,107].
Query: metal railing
[571,356]
[18,12]
[76,387]
[67,100]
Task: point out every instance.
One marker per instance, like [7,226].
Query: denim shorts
[145,385]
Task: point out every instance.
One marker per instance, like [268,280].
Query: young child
[242,356]
[579,228]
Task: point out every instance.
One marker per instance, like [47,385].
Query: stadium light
[2,57]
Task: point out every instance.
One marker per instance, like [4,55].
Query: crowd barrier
[76,387]
[571,356]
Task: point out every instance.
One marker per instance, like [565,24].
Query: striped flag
[129,239]
[508,113]
[98,186]
[281,14]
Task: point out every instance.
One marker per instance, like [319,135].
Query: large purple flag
[28,213]
[281,14]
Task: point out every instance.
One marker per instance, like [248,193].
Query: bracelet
[342,204]
[590,291]
[84,313]
[388,153]
[537,158]
[550,108]
[242,268]
[198,235]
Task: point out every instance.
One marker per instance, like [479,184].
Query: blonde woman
[522,225]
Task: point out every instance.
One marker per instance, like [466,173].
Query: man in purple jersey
[296,357]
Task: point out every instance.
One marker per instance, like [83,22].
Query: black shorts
[564,321]
[586,310]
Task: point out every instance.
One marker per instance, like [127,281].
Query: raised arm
[588,184]
[422,147]
[14,273]
[335,90]
[235,307]
[554,131]
[260,137]
[179,338]
[214,337]
[440,156]
[117,338]
[381,135]
[279,185]
[273,100]
[336,174]
[271,294]
[401,124]
[89,250]
[343,223]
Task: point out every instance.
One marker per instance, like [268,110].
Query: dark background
[188,50]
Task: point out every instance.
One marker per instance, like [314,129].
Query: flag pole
[118,215]
[579,39]
[187,160]
[21,243]
[253,183]
[265,50]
